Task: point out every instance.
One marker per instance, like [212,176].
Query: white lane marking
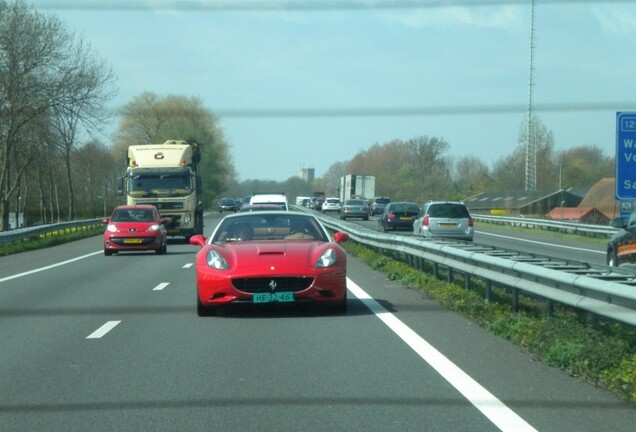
[161,286]
[541,243]
[188,265]
[49,267]
[491,407]
[103,330]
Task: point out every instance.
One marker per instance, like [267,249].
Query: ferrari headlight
[112,228]
[153,227]
[327,259]
[216,261]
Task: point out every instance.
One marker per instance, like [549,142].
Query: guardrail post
[515,299]
[466,281]
[549,308]
[449,273]
[488,290]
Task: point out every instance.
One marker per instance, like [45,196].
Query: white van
[278,199]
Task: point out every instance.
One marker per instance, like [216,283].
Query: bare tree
[89,84]
[31,46]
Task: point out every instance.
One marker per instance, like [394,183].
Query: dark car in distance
[621,247]
[398,215]
[228,204]
[378,204]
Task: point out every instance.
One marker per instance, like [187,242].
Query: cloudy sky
[305,84]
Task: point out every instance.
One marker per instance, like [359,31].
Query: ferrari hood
[282,254]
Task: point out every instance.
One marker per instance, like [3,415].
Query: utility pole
[531,145]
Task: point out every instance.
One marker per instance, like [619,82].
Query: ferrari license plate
[132,241]
[283,296]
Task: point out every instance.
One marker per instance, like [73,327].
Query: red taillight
[390,216]
[470,222]
[425,221]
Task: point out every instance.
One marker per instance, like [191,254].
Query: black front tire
[340,308]
[205,311]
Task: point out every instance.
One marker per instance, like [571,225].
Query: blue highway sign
[626,155]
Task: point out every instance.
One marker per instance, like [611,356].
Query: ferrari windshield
[260,226]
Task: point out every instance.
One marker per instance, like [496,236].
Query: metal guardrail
[46,230]
[549,225]
[604,298]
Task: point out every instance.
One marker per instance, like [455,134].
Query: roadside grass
[51,239]
[600,352]
[600,239]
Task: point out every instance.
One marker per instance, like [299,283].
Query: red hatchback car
[270,257]
[135,228]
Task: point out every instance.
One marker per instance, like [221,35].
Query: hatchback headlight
[112,228]
[153,227]
[216,261]
[327,259]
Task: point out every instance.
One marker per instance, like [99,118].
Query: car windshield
[356,202]
[134,215]
[259,226]
[382,200]
[448,211]
[405,207]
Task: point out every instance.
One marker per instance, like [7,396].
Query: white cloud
[617,22]
[507,18]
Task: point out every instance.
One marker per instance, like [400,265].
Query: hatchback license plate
[283,296]
[132,241]
[449,225]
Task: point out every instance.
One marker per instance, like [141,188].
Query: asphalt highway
[99,343]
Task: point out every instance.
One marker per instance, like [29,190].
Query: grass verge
[51,239]
[600,352]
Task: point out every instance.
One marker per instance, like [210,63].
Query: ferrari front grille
[273,284]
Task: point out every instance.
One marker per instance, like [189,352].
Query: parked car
[354,208]
[331,204]
[621,248]
[228,204]
[399,215]
[270,257]
[135,228]
[378,204]
[450,219]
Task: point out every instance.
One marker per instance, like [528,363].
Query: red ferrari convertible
[268,257]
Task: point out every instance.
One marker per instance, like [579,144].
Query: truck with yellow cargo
[165,175]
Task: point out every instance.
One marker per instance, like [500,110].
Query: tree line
[424,168]
[54,88]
